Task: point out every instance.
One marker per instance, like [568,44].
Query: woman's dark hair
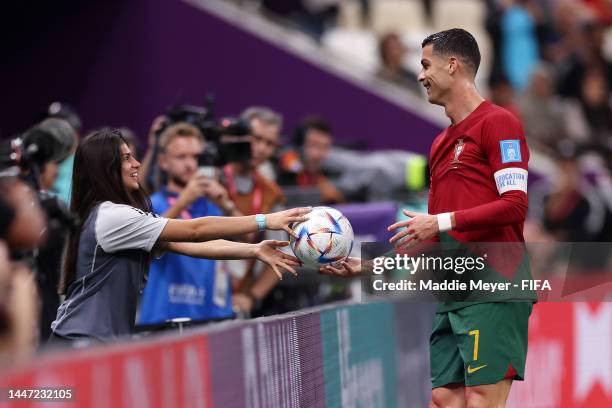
[96,177]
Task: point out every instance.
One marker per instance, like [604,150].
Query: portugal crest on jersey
[458,149]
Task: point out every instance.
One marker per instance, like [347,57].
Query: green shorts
[479,344]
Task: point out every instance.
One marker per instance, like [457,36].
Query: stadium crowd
[550,66]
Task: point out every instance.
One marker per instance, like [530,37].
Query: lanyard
[305,178]
[257,202]
[185,214]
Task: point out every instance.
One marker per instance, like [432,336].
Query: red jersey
[479,170]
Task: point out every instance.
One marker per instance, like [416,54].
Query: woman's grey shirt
[112,258]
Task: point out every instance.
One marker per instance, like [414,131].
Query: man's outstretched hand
[348,268]
[420,227]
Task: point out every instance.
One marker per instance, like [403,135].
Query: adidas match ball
[325,238]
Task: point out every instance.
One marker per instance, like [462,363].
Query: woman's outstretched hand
[283,219]
[268,251]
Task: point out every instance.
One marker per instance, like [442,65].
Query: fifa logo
[458,149]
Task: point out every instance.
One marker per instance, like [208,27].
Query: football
[327,237]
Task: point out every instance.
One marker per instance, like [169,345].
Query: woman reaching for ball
[107,257]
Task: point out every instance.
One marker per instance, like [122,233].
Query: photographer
[46,147]
[252,192]
[107,257]
[303,167]
[149,174]
[55,139]
[70,124]
[178,285]
[22,224]
[245,145]
[34,157]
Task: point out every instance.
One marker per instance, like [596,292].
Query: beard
[177,180]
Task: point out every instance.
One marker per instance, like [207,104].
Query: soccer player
[478,194]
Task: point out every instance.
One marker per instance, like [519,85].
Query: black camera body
[24,157]
[227,140]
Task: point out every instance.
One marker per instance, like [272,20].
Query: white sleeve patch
[512,178]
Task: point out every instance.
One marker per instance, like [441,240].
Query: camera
[25,156]
[227,139]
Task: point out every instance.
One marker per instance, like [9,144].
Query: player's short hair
[177,130]
[456,42]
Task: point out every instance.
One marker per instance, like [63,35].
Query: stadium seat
[397,15]
[354,45]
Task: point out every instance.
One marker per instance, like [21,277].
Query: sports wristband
[261,221]
[444,222]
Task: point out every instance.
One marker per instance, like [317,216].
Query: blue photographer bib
[182,286]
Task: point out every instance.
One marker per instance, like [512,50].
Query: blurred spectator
[595,101]
[303,167]
[179,285]
[428,9]
[571,212]
[542,112]
[48,175]
[254,193]
[311,16]
[585,53]
[575,212]
[66,112]
[59,110]
[392,54]
[493,27]
[357,174]
[519,43]
[565,37]
[22,226]
[502,94]
[589,118]
[366,12]
[265,126]
[55,140]
[149,175]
